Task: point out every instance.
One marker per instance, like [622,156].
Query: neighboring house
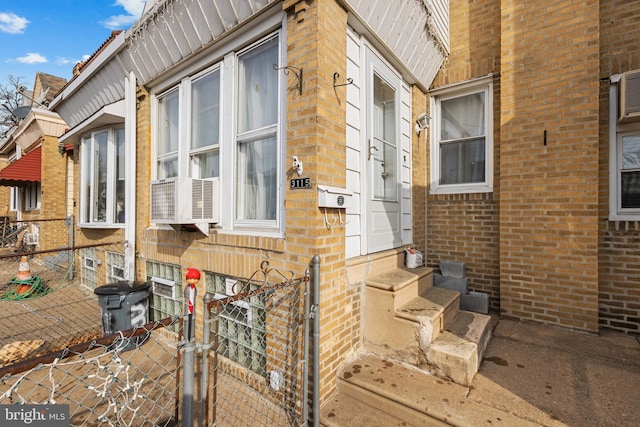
[35,173]
[218,134]
[538,191]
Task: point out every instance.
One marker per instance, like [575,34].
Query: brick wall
[315,132]
[464,227]
[619,241]
[54,204]
[549,193]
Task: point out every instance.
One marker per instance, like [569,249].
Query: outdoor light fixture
[422,122]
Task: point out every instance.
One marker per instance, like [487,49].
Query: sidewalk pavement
[531,375]
[556,377]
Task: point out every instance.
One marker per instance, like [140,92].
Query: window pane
[258,87]
[205,107]
[463,117]
[257,182]
[462,162]
[120,174]
[168,167]
[630,189]
[168,123]
[100,177]
[168,132]
[207,165]
[631,152]
[87,180]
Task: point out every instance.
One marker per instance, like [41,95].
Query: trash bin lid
[121,288]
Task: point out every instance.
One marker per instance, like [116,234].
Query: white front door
[382,153]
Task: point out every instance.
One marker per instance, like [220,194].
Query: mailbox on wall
[333,197]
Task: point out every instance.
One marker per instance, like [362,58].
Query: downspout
[130,124]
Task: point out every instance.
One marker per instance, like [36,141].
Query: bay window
[103,178]
[461,139]
[222,124]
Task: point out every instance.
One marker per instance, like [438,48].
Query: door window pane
[384,152]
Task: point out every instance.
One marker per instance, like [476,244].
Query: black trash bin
[124,305]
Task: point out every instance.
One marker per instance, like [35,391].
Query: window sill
[101,226]
[461,189]
[625,217]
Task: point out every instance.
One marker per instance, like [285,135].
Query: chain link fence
[256,370]
[47,300]
[252,358]
[123,379]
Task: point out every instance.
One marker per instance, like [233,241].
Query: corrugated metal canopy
[23,171]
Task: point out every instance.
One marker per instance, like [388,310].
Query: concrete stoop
[407,319]
[373,391]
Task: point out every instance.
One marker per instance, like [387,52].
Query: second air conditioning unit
[630,97]
[185,201]
[31,239]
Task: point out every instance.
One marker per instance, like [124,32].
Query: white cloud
[32,58]
[61,60]
[12,23]
[132,7]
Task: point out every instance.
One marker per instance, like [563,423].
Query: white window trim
[464,88]
[228,140]
[35,187]
[14,199]
[111,178]
[616,213]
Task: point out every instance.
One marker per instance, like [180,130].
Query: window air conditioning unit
[630,97]
[31,239]
[185,201]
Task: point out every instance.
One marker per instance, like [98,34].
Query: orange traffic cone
[24,273]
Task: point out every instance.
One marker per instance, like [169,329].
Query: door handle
[369,148]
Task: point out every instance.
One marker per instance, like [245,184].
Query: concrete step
[432,310]
[385,332]
[456,353]
[374,391]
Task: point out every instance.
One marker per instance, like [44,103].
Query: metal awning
[25,170]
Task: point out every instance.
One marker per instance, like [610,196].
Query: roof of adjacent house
[53,83]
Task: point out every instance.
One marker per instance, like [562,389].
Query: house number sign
[297,183]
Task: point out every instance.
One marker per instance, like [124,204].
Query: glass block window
[166,291]
[241,324]
[89,267]
[115,267]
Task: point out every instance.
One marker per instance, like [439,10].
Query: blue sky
[51,36]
